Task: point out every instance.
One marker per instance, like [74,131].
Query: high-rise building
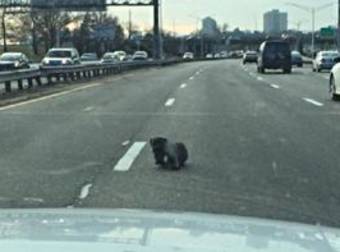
[275,22]
[209,27]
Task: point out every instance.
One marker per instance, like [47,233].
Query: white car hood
[56,59]
[134,231]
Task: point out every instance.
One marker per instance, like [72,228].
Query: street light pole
[338,14]
[313,11]
[338,30]
[313,32]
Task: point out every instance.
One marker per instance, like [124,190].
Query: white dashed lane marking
[312,101]
[274,166]
[85,190]
[184,85]
[274,86]
[192,78]
[88,109]
[33,200]
[125,163]
[170,102]
[259,78]
[126,143]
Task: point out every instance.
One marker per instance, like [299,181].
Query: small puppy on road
[169,154]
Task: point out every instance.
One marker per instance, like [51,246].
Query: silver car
[134,230]
[109,58]
[324,60]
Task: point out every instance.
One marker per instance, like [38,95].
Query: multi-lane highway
[260,145]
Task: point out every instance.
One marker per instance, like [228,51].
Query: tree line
[97,32]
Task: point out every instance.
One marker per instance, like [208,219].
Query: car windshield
[59,54]
[329,54]
[120,53]
[108,56]
[88,55]
[10,57]
[217,107]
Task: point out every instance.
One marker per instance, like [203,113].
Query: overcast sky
[182,15]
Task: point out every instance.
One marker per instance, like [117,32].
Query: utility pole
[338,28]
[130,24]
[156,33]
[338,14]
[313,32]
[202,45]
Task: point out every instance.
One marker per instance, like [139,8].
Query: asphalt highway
[260,145]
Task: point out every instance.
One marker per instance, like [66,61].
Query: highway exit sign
[328,32]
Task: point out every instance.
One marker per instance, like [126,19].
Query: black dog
[169,154]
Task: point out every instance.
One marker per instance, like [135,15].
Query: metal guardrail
[19,75]
[71,73]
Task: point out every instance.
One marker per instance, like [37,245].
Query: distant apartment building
[209,27]
[275,22]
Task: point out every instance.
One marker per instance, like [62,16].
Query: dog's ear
[162,140]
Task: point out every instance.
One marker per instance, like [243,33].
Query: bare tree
[3,26]
[48,24]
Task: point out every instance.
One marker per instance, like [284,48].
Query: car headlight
[45,62]
[16,64]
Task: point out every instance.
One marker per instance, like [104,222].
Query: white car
[109,58]
[120,55]
[334,80]
[188,56]
[324,60]
[140,55]
[61,57]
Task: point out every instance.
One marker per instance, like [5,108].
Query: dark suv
[274,55]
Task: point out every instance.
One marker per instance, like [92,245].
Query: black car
[274,55]
[12,61]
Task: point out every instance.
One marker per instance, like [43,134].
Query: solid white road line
[48,97]
[274,86]
[312,101]
[184,85]
[170,102]
[124,164]
[85,190]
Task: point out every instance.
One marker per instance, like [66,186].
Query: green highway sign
[328,32]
